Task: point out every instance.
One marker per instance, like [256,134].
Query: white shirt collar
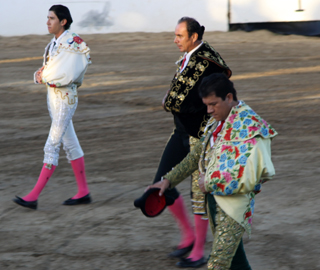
[188,55]
[57,40]
[52,48]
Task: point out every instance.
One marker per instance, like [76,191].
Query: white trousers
[61,131]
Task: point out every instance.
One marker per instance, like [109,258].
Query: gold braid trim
[75,50]
[189,81]
[212,55]
[203,125]
[71,101]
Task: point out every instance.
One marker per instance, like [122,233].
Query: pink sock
[201,227]
[179,211]
[42,181]
[80,174]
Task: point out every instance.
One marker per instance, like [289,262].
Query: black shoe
[32,205]
[185,263]
[180,252]
[83,200]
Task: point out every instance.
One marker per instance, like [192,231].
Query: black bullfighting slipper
[32,204]
[187,263]
[180,252]
[83,200]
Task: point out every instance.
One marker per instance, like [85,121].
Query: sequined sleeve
[186,167]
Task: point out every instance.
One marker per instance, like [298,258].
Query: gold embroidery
[215,57]
[49,166]
[203,125]
[207,54]
[205,155]
[197,198]
[200,67]
[71,101]
[181,97]
[181,79]
[191,81]
[76,50]
[191,64]
[173,94]
[227,235]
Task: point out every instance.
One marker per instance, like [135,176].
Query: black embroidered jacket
[183,99]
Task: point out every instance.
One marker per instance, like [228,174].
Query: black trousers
[175,151]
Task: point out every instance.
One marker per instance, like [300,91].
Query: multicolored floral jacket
[236,166]
[64,71]
[183,99]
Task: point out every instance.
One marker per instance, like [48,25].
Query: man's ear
[194,37]
[230,97]
[63,22]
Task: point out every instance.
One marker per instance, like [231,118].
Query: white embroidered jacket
[64,70]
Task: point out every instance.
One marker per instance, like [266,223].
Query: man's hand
[39,75]
[201,183]
[163,185]
[164,100]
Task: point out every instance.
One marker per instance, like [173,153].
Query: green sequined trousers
[197,196]
[227,248]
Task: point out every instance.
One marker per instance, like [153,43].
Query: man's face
[54,25]
[217,107]
[184,43]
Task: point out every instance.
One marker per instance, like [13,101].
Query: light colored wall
[23,17]
[244,11]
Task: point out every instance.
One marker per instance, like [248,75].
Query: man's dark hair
[193,26]
[62,12]
[217,84]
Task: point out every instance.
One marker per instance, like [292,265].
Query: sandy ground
[123,130]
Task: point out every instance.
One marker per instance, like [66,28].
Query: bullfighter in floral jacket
[234,160]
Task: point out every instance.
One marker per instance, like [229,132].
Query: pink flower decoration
[250,221]
[265,122]
[253,141]
[227,176]
[253,129]
[232,117]
[225,147]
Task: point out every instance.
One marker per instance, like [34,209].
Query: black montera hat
[151,204]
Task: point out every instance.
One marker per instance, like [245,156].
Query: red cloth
[218,129]
[183,61]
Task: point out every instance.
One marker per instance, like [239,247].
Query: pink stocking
[80,175]
[179,211]
[201,227]
[42,181]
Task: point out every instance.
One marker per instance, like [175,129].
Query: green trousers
[227,248]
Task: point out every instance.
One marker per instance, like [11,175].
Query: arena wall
[251,11]
[21,17]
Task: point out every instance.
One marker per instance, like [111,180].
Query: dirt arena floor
[123,129]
